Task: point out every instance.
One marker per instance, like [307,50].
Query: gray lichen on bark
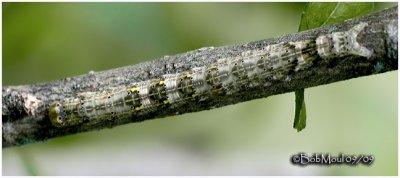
[25,108]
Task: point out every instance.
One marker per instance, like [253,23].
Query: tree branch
[25,109]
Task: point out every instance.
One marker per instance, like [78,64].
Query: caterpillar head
[57,114]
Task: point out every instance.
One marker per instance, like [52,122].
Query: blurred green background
[50,41]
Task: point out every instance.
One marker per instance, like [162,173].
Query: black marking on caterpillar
[227,76]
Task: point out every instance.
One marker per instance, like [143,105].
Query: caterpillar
[227,76]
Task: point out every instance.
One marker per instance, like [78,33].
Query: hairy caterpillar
[226,76]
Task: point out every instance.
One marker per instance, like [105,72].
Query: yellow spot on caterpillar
[134,89]
[166,101]
[212,67]
[186,76]
[218,90]
[161,82]
[139,108]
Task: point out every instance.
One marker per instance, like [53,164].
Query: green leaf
[318,14]
[300,111]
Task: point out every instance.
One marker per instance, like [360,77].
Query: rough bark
[25,108]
